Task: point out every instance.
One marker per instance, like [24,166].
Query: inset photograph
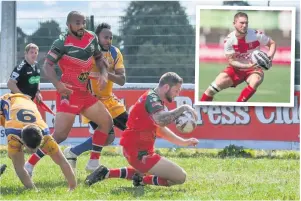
[245,56]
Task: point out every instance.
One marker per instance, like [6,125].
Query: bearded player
[24,127]
[238,47]
[74,52]
[116,74]
[147,120]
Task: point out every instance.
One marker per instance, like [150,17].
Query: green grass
[275,87]
[263,177]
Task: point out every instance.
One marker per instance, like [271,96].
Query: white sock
[28,165]
[93,162]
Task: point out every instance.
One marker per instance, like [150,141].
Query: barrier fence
[268,128]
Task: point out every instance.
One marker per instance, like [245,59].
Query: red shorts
[142,161]
[238,76]
[75,102]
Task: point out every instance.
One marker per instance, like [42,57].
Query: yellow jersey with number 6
[17,111]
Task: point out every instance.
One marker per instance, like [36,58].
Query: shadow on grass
[12,190]
[135,191]
[140,190]
[51,184]
[44,185]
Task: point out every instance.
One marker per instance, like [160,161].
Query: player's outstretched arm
[168,135]
[18,162]
[163,118]
[59,159]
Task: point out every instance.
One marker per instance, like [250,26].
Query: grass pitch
[209,178]
[274,88]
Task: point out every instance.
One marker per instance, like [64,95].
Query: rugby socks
[125,173]
[154,180]
[83,147]
[205,97]
[246,94]
[98,141]
[34,158]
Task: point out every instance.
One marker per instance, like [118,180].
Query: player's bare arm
[170,136]
[233,62]
[118,76]
[163,118]
[18,162]
[50,74]
[12,85]
[272,48]
[60,160]
[101,63]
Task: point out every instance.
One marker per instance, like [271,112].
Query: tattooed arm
[163,118]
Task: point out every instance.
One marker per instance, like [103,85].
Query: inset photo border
[226,71]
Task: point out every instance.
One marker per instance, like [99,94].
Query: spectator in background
[25,77]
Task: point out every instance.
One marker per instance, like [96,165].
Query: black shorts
[119,122]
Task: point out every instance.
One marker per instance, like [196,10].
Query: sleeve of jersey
[15,75]
[119,61]
[56,51]
[228,48]
[262,38]
[153,104]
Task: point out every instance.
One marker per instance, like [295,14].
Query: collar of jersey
[33,65]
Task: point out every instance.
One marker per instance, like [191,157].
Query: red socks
[154,180]
[125,173]
[205,97]
[246,94]
[98,141]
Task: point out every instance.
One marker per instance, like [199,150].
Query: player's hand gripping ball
[261,59]
[186,123]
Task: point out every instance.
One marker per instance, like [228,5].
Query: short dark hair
[171,79]
[240,14]
[71,14]
[31,136]
[102,26]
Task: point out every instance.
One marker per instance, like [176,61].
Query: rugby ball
[185,123]
[261,59]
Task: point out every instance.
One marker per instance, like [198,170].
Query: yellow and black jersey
[17,111]
[115,60]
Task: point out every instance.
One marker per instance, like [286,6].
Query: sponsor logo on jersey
[34,80]
[83,76]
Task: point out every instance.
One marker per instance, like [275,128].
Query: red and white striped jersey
[243,48]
